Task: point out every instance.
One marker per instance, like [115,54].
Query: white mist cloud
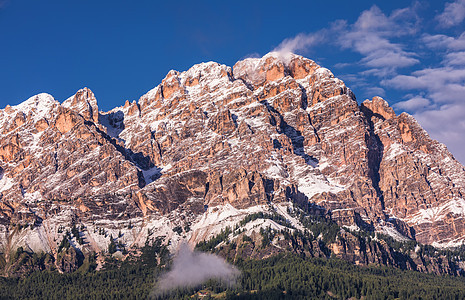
[192,268]
[299,42]
[371,37]
[413,104]
[441,42]
[455,59]
[453,14]
[374,90]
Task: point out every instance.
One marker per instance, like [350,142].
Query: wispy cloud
[441,111]
[371,37]
[390,46]
[444,42]
[375,90]
[446,124]
[413,104]
[443,84]
[453,14]
[455,59]
[301,42]
[251,55]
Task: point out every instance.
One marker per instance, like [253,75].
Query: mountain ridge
[213,144]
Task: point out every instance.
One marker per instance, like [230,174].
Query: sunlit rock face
[269,130]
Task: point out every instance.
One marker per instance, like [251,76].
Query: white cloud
[371,36]
[455,59]
[301,42]
[400,22]
[251,55]
[389,59]
[342,65]
[445,84]
[192,268]
[442,112]
[450,93]
[375,90]
[377,72]
[370,90]
[447,125]
[453,14]
[391,44]
[441,41]
[414,104]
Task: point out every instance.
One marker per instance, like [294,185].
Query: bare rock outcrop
[269,130]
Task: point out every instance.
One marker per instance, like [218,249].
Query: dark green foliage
[77,235]
[150,253]
[112,246]
[246,238]
[64,243]
[278,277]
[22,262]
[131,279]
[214,241]
[89,264]
[317,224]
[293,277]
[18,253]
[101,231]
[267,236]
[261,215]
[178,230]
[75,231]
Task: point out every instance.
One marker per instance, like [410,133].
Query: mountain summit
[213,144]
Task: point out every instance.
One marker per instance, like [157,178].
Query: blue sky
[410,53]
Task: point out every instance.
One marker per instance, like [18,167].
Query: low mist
[192,268]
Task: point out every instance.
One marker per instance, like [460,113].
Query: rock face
[264,132]
[412,176]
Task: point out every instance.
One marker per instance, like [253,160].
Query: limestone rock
[269,130]
[84,103]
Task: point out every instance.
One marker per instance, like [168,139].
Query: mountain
[278,139]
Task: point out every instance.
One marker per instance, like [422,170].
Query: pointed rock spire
[84,103]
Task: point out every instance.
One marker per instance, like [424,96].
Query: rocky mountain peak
[34,112]
[273,66]
[84,103]
[379,107]
[38,105]
[215,143]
